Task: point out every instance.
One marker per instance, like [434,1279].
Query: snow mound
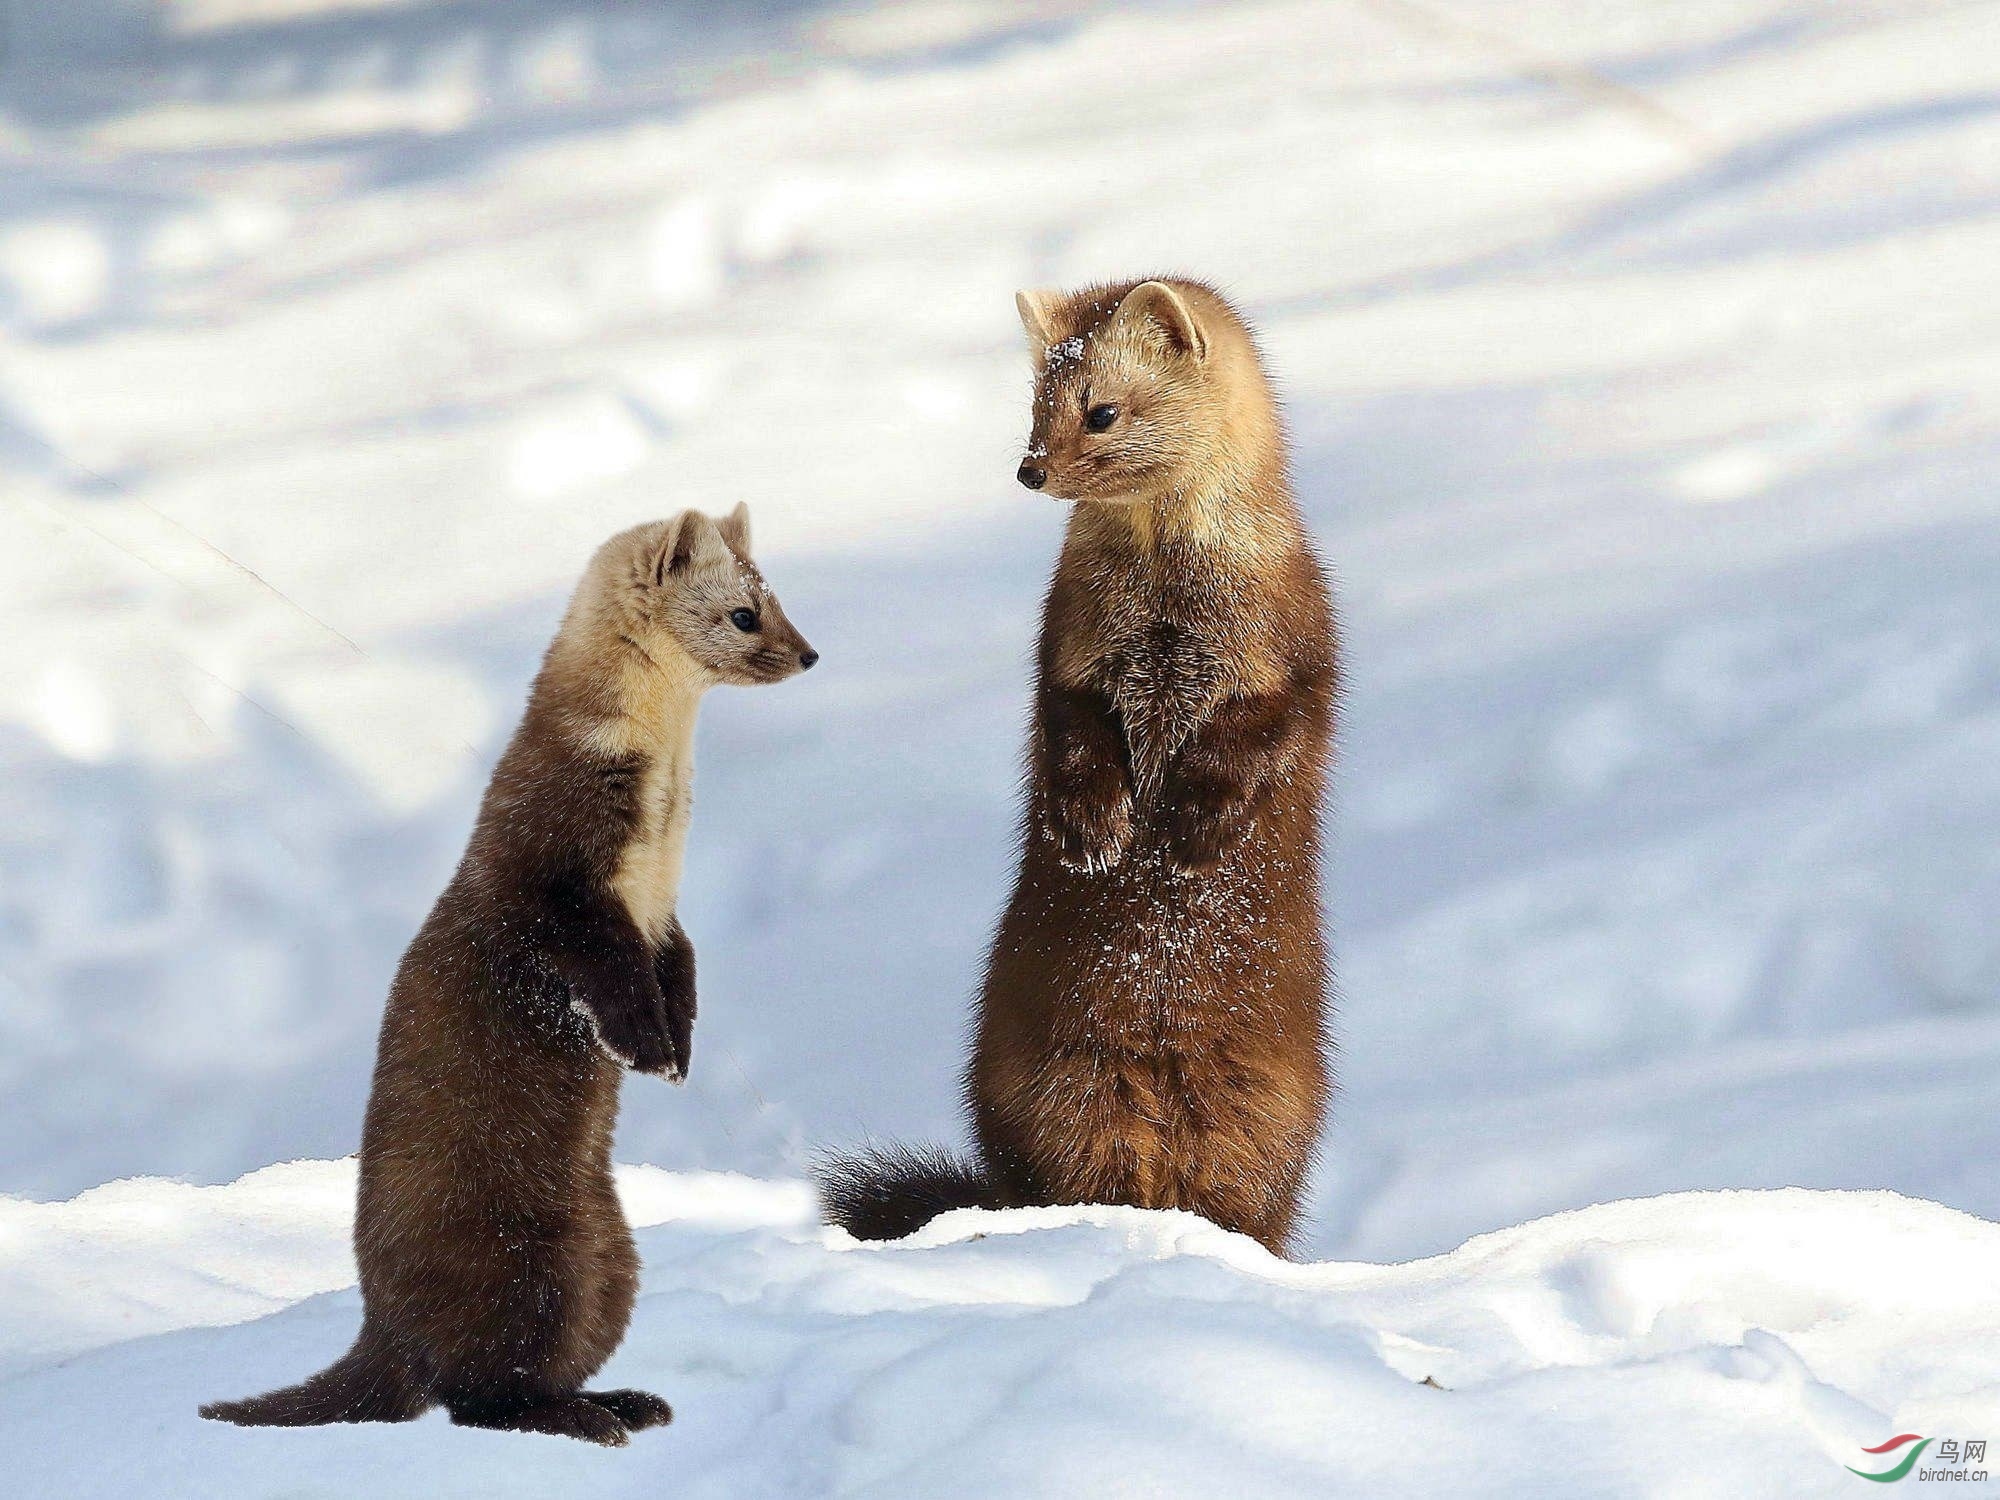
[1748,1343]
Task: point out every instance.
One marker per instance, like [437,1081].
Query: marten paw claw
[643,1048]
[1191,858]
[673,1072]
[654,1056]
[1199,843]
[1092,862]
[637,1410]
[1090,842]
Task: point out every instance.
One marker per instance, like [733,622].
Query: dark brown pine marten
[497,1270]
[1152,1028]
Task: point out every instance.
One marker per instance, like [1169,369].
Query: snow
[1748,1343]
[1643,369]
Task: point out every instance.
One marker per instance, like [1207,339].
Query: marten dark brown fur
[497,1269]
[1152,1030]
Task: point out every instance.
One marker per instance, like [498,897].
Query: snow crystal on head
[1067,352]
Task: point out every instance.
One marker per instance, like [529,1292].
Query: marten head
[685,595]
[1141,391]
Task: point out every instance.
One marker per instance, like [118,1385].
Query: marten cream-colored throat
[649,871]
[659,697]
[1224,524]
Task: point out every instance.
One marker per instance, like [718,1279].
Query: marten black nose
[1031,476]
[807,657]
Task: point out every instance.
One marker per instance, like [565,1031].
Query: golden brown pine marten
[497,1270]
[1152,1026]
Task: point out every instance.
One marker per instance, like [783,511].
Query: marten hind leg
[616,1261]
[571,1416]
[1261,1201]
[607,1273]
[637,1410]
[520,1366]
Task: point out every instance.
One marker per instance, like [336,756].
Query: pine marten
[497,1270]
[1152,1026]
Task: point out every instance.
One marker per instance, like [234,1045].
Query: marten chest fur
[1162,680]
[1164,640]
[648,871]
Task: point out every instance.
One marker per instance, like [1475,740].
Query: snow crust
[1742,1343]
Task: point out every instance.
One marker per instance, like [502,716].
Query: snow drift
[1741,1343]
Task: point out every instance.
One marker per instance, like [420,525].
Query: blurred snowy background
[1643,363]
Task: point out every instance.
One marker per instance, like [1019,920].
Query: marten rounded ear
[1034,310]
[663,550]
[1160,307]
[735,528]
[691,541]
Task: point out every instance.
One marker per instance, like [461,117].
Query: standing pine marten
[497,1270]
[1152,1026]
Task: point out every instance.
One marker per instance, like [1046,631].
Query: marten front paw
[635,1036]
[673,966]
[1090,833]
[679,1014]
[1200,831]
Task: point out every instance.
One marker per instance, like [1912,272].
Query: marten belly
[1229,1139]
[482,1130]
[1159,1047]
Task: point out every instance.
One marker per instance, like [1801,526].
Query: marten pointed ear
[735,528]
[1034,309]
[1157,306]
[692,541]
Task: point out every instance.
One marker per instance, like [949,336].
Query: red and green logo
[1902,1465]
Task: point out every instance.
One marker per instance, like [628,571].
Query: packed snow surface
[1701,1344]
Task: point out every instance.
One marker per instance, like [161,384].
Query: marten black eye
[1100,417]
[744,620]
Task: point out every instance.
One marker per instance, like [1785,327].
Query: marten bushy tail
[886,1194]
[366,1384]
